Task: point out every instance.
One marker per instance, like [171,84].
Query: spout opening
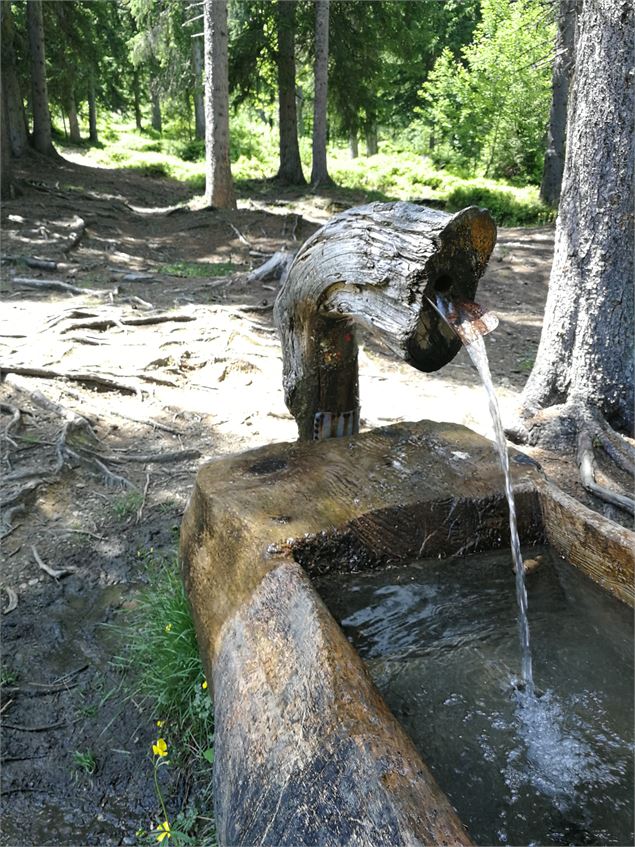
[442,284]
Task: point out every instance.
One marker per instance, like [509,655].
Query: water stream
[478,355]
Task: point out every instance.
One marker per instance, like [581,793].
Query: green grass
[396,173]
[85,761]
[163,671]
[198,269]
[126,505]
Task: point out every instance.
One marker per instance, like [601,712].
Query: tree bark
[199,99]
[156,119]
[319,171]
[41,139]
[353,145]
[370,130]
[6,180]
[290,170]
[73,122]
[586,348]
[377,265]
[219,188]
[137,100]
[551,184]
[92,109]
[14,113]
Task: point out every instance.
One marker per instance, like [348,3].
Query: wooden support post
[376,265]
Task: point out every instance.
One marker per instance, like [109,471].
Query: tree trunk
[92,109]
[586,348]
[199,99]
[156,120]
[219,189]
[137,100]
[372,148]
[290,170]
[73,123]
[353,144]
[14,105]
[556,135]
[41,139]
[319,171]
[5,149]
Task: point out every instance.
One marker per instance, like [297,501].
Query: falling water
[478,355]
[471,323]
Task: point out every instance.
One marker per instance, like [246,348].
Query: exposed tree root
[54,572]
[586,464]
[102,323]
[76,444]
[577,428]
[76,376]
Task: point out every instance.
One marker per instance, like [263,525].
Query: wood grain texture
[376,265]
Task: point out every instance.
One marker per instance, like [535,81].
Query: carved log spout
[379,265]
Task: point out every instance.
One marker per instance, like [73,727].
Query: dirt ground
[161,397]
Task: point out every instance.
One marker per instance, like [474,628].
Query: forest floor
[169,352]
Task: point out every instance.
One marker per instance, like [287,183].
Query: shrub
[507,208]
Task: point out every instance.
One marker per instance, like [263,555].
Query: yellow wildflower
[164,831]
[168,627]
[204,685]
[160,724]
[160,748]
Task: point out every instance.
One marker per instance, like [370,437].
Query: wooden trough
[306,750]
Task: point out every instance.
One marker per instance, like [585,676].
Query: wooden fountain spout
[380,265]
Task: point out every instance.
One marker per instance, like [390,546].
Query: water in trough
[522,765]
[440,640]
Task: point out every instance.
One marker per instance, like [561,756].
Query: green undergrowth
[397,172]
[163,674]
[197,269]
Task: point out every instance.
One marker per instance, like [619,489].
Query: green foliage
[200,269]
[508,208]
[488,111]
[85,761]
[162,656]
[126,505]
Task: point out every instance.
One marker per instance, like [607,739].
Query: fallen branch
[53,285]
[238,234]
[55,573]
[277,267]
[586,464]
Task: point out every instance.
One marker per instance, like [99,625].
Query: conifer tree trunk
[551,184]
[219,188]
[41,139]
[370,131]
[5,148]
[137,100]
[290,170]
[585,355]
[319,171]
[73,122]
[353,144]
[199,99]
[14,114]
[156,119]
[92,109]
